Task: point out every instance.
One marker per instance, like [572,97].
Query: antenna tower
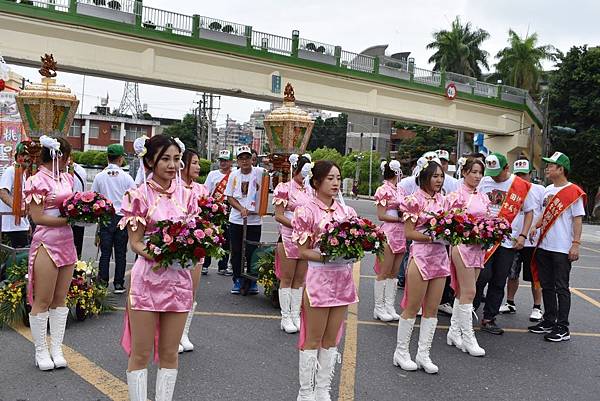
[130,102]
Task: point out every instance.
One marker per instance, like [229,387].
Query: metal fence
[358,62]
[427,77]
[126,6]
[214,24]
[160,20]
[272,43]
[318,47]
[58,5]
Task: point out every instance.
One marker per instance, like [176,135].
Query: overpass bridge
[127,40]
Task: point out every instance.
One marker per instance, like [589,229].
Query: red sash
[219,192]
[512,206]
[557,205]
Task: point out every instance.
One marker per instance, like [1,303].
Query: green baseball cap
[522,166]
[494,164]
[115,150]
[559,158]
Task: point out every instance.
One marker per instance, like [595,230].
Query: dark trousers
[404,263]
[112,237]
[78,232]
[235,242]
[225,260]
[554,269]
[18,239]
[494,275]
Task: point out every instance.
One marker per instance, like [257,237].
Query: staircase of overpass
[125,39]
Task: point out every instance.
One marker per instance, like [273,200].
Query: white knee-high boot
[285,301]
[391,287]
[379,311]
[325,371]
[402,353]
[185,342]
[39,326]
[307,369]
[454,337]
[137,383]
[428,325]
[165,384]
[465,320]
[296,306]
[58,323]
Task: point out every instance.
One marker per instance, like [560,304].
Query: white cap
[242,149]
[443,154]
[224,154]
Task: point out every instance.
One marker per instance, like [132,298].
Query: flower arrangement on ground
[13,300]
[351,239]
[266,273]
[182,243]
[87,207]
[489,231]
[213,211]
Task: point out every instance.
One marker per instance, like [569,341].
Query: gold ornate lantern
[288,130]
[47,108]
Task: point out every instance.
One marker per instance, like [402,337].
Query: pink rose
[334,242]
[77,196]
[208,231]
[190,241]
[101,203]
[199,234]
[168,239]
[215,208]
[70,207]
[88,196]
[432,222]
[353,231]
[347,242]
[157,250]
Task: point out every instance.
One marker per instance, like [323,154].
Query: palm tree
[459,49]
[520,64]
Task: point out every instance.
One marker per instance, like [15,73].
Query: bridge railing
[133,12]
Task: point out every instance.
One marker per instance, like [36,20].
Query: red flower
[172,247]
[199,252]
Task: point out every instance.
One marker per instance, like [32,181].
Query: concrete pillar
[295,42]
[122,134]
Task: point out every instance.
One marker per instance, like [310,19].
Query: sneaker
[560,333]
[400,283]
[536,315]
[542,327]
[229,271]
[445,309]
[237,286]
[491,327]
[222,272]
[119,289]
[508,308]
[204,270]
[253,290]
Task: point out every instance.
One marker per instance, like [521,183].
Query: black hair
[112,158]
[156,147]
[388,173]
[320,171]
[477,155]
[302,160]
[186,158]
[424,177]
[65,148]
[472,161]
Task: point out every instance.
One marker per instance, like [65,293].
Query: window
[115,132]
[375,121]
[94,130]
[132,132]
[75,130]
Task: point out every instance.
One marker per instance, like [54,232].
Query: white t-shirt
[113,182]
[537,193]
[409,184]
[213,179]
[559,236]
[451,184]
[245,189]
[7,182]
[497,192]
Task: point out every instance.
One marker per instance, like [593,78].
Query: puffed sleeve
[36,189]
[382,196]
[454,200]
[280,194]
[133,209]
[410,208]
[302,225]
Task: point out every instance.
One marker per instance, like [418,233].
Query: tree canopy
[186,130]
[330,133]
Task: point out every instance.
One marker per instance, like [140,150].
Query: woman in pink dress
[52,255]
[467,260]
[189,175]
[329,287]
[428,268]
[289,268]
[159,300]
[387,200]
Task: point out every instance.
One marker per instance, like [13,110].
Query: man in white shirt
[558,246]
[79,184]
[113,182]
[18,234]
[216,183]
[508,195]
[522,168]
[242,189]
[450,183]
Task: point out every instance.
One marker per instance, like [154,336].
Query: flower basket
[13,295]
[86,297]
[87,207]
[348,241]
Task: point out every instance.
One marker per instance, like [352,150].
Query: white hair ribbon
[461,163]
[382,166]
[139,147]
[306,173]
[178,179]
[54,146]
[308,156]
[396,167]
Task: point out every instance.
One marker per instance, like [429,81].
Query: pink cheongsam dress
[50,191]
[475,203]
[389,196]
[162,290]
[291,195]
[327,284]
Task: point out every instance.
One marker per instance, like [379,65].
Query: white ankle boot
[402,354]
[137,382]
[296,306]
[307,369]
[391,287]
[325,371]
[454,336]
[165,384]
[39,325]
[428,325]
[285,300]
[185,344]
[379,311]
[58,323]
[469,342]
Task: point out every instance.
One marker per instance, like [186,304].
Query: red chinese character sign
[451,91]
[10,120]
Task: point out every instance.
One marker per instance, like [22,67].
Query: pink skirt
[472,256]
[58,242]
[291,249]
[394,233]
[431,260]
[328,285]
